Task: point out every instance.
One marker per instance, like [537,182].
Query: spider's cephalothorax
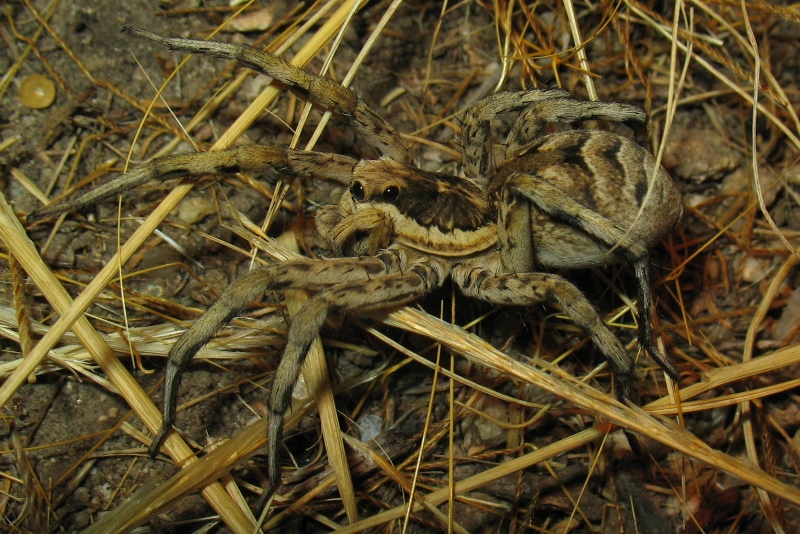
[574,199]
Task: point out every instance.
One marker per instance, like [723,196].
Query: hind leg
[527,289]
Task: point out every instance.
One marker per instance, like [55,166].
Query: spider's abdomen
[578,175]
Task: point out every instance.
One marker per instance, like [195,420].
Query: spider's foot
[158,441]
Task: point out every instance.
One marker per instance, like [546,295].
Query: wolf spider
[573,199]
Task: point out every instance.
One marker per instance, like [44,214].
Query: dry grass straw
[656,420]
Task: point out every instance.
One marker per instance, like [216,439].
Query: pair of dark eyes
[389,194]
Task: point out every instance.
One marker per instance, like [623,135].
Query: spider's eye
[357,190]
[391,193]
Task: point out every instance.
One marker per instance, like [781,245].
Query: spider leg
[323,92]
[477,150]
[245,158]
[628,243]
[312,275]
[553,201]
[646,311]
[382,292]
[527,289]
[533,119]
[343,284]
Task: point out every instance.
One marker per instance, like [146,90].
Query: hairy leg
[559,205]
[321,91]
[477,151]
[313,275]
[342,284]
[246,158]
[629,245]
[527,289]
[379,293]
[533,119]
[646,312]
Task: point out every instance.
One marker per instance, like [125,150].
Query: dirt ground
[73,446]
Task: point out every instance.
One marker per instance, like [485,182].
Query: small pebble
[37,91]
[195,209]
[753,269]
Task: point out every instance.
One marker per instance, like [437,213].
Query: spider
[573,199]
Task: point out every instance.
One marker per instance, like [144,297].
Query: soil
[85,447]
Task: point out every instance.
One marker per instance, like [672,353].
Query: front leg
[380,293]
[343,284]
[319,90]
[527,289]
[245,158]
[312,275]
